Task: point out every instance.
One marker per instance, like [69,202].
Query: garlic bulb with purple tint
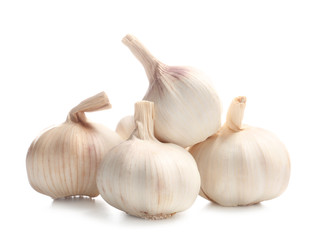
[63,161]
[187,108]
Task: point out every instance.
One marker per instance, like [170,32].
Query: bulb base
[160,216]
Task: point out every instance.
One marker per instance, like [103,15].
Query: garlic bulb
[187,108]
[63,161]
[241,165]
[125,127]
[147,178]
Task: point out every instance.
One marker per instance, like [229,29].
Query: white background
[54,54]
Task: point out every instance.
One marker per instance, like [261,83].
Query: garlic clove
[187,108]
[241,165]
[146,178]
[63,160]
[125,127]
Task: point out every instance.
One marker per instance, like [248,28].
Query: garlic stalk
[63,161]
[125,127]
[147,178]
[187,108]
[241,165]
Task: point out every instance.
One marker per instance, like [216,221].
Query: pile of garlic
[157,162]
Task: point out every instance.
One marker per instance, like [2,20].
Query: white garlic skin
[243,166]
[125,127]
[187,108]
[149,179]
[63,161]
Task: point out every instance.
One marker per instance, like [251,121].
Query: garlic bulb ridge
[147,178]
[241,165]
[63,161]
[187,108]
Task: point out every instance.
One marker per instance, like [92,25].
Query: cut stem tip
[144,120]
[235,113]
[97,102]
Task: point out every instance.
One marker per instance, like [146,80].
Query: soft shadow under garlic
[82,204]
[212,206]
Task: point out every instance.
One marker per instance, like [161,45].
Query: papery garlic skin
[149,179]
[63,161]
[187,108]
[145,177]
[241,165]
[125,127]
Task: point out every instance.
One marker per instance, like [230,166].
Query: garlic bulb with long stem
[147,178]
[63,161]
[241,165]
[125,127]
[187,108]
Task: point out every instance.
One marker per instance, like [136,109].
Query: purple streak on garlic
[63,161]
[188,109]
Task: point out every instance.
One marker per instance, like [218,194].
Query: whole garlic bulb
[147,178]
[63,161]
[187,108]
[125,127]
[241,165]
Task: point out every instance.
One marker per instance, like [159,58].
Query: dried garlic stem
[95,103]
[149,62]
[235,113]
[144,120]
